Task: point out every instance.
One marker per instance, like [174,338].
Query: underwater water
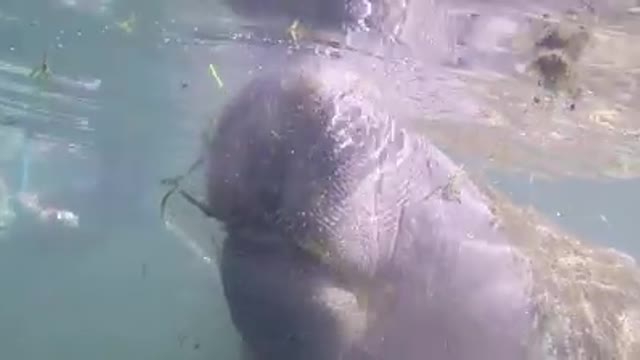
[117,101]
[101,133]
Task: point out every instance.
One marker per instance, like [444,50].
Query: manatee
[351,237]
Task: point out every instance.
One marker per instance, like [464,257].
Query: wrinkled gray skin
[333,211]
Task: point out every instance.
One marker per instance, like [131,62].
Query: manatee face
[349,238]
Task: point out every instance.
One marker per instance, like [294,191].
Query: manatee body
[350,237]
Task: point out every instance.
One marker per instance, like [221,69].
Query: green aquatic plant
[42,73]
[128,24]
[214,73]
[295,31]
[43,70]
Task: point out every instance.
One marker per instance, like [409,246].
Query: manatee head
[287,171]
[291,155]
[350,238]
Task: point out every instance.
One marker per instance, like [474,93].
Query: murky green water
[119,286]
[121,110]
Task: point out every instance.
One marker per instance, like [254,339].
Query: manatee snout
[276,300]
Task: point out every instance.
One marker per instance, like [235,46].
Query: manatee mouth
[284,303]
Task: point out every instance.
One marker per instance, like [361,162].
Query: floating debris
[294,31]
[215,75]
[65,217]
[174,184]
[181,339]
[604,219]
[42,71]
[127,25]
[451,191]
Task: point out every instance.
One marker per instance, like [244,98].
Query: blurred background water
[128,93]
[101,133]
